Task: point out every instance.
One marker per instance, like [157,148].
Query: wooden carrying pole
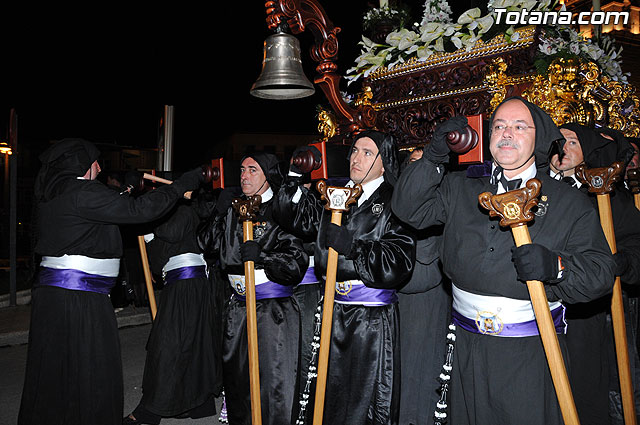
[633,179]
[143,247]
[246,210]
[338,200]
[147,276]
[600,181]
[515,209]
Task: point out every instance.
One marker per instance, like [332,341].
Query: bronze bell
[282,76]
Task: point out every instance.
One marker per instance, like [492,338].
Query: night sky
[105,72]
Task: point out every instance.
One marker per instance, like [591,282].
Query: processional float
[409,99]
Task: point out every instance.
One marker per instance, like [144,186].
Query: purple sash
[361,294]
[189,272]
[309,277]
[492,325]
[75,280]
[267,290]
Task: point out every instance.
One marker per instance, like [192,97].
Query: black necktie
[570,181]
[510,184]
[498,176]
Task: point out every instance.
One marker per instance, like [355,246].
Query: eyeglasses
[516,128]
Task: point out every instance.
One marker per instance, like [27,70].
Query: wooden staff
[600,181]
[338,201]
[246,210]
[147,276]
[633,179]
[207,172]
[514,208]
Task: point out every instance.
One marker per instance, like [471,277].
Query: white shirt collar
[526,175]
[558,176]
[367,188]
[267,195]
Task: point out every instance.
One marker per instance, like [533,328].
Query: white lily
[469,16]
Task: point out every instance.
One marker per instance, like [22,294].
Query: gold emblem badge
[511,210]
[343,288]
[489,323]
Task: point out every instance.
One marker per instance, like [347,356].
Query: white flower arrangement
[438,33]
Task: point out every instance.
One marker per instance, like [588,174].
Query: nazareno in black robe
[74,367]
[183,368]
[594,372]
[363,379]
[497,379]
[285,262]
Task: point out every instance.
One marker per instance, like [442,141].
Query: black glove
[224,201]
[622,263]
[190,180]
[339,238]
[250,251]
[535,262]
[317,156]
[437,150]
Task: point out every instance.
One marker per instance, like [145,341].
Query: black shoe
[128,420]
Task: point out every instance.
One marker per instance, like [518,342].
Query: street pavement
[134,324]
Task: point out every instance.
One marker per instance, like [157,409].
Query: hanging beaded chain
[223,411]
[313,368]
[440,414]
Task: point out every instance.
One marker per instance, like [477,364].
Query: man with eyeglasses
[499,371]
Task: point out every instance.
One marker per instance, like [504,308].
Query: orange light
[5,148]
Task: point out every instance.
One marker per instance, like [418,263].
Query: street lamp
[5,148]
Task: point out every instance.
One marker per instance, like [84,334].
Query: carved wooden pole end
[514,207]
[338,198]
[246,208]
[600,180]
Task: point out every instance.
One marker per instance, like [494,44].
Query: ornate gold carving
[364,98]
[600,180]
[327,125]
[576,91]
[514,206]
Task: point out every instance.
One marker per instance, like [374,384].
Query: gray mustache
[507,143]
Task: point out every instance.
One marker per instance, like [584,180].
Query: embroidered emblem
[488,323]
[377,209]
[343,288]
[259,228]
[238,285]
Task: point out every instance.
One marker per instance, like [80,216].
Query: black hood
[271,167]
[64,161]
[547,133]
[387,151]
[599,151]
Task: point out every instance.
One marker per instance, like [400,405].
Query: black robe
[494,379]
[74,368]
[183,368]
[285,262]
[425,311]
[363,379]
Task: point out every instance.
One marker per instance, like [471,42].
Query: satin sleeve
[301,216]
[420,194]
[284,259]
[387,262]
